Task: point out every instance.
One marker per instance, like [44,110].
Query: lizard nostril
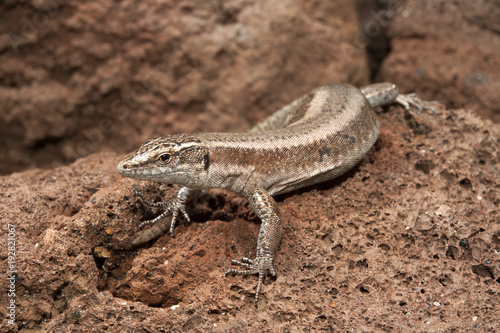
[123,166]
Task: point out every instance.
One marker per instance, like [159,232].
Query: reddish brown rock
[407,240]
[83,77]
[448,51]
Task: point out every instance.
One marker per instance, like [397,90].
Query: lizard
[315,138]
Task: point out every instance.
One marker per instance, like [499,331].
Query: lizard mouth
[133,170]
[139,173]
[125,168]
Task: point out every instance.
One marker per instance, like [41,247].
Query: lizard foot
[259,265]
[412,101]
[161,223]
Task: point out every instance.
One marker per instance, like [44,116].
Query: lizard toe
[259,265]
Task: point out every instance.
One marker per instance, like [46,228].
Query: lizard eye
[164,157]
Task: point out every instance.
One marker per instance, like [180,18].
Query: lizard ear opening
[206,161]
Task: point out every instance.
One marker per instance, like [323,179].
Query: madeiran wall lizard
[316,138]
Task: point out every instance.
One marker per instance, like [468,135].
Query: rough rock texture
[448,51]
[82,77]
[408,240]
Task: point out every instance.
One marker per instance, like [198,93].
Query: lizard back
[313,139]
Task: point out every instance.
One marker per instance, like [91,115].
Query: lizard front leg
[269,239]
[161,222]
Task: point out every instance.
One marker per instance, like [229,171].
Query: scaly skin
[314,139]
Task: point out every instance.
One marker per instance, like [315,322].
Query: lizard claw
[259,265]
[161,223]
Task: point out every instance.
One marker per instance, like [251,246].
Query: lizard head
[174,159]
